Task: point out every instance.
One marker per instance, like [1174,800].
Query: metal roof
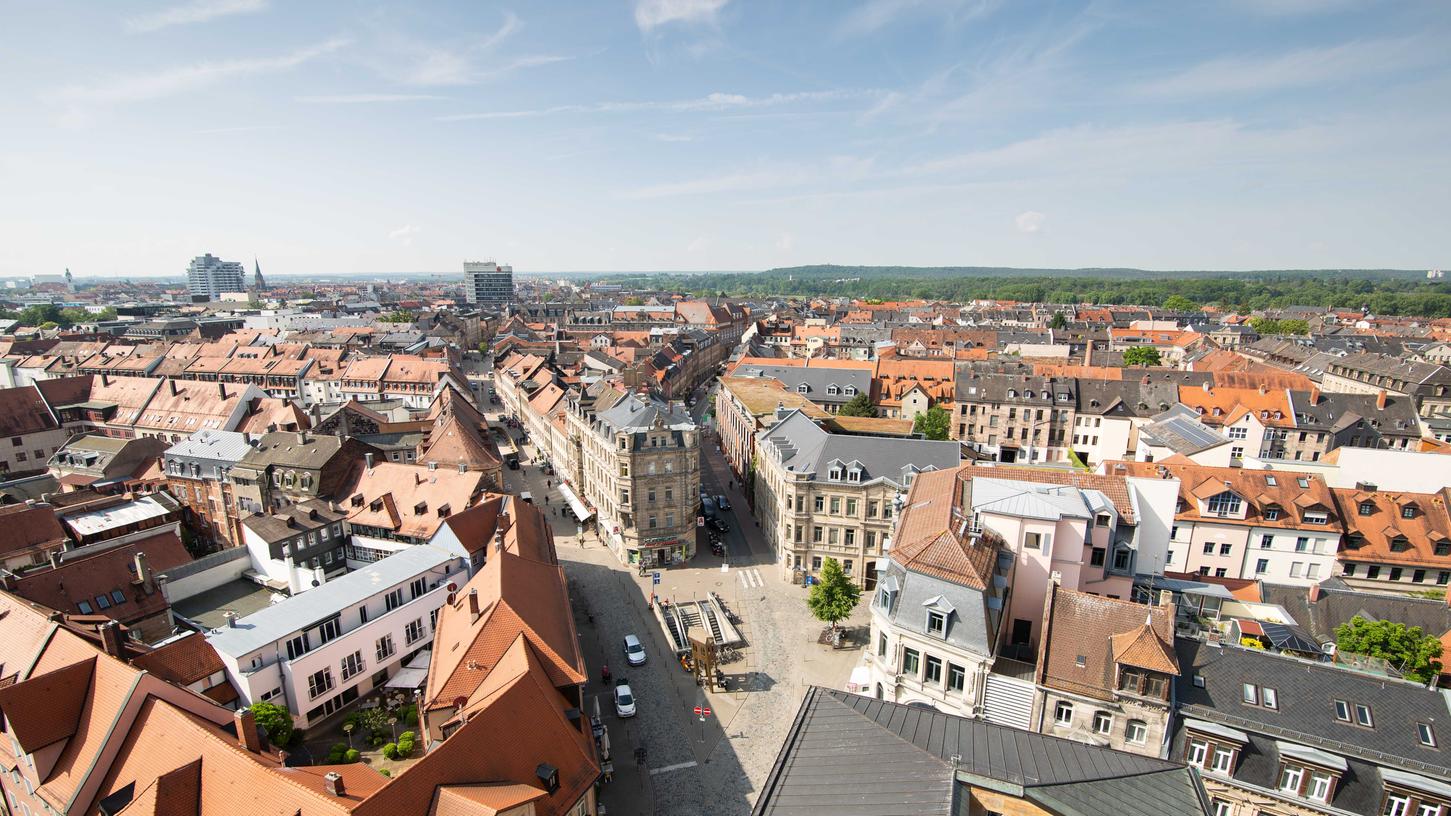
[300,611]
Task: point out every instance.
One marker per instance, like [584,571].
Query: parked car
[624,699]
[721,500]
[707,507]
[512,462]
[634,651]
[718,524]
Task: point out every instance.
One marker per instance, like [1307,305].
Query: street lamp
[348,729]
[393,724]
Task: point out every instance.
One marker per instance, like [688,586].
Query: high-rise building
[208,276]
[487,283]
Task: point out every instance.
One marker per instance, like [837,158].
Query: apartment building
[317,652]
[1273,526]
[1370,373]
[639,468]
[1270,733]
[29,431]
[937,612]
[1015,417]
[1394,540]
[745,406]
[297,544]
[394,506]
[1110,413]
[197,473]
[820,494]
[828,386]
[286,468]
[1105,669]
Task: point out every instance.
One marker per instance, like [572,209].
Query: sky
[333,137]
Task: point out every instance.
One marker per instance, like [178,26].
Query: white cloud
[432,64]
[404,234]
[708,103]
[199,11]
[365,98]
[651,14]
[1030,221]
[1296,69]
[874,15]
[142,87]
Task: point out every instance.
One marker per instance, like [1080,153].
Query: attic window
[835,474]
[1408,512]
[1012,392]
[1303,482]
[832,389]
[936,624]
[854,475]
[1270,480]
[851,390]
[1367,508]
[803,388]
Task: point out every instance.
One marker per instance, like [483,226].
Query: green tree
[1179,303]
[1142,355]
[275,720]
[858,406]
[934,423]
[834,595]
[40,314]
[1294,325]
[400,316]
[1058,321]
[1411,651]
[634,301]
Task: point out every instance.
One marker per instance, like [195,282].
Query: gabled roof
[46,708]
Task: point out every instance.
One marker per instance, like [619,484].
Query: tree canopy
[42,314]
[400,316]
[1289,325]
[275,720]
[1142,355]
[858,406]
[834,595]
[934,423]
[1179,303]
[1408,649]
[1058,321]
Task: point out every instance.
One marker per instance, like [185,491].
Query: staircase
[712,623]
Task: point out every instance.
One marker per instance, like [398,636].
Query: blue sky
[379,137]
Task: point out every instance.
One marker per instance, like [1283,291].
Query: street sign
[707,711]
[698,710]
[700,521]
[655,577]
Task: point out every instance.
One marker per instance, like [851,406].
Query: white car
[634,651]
[624,701]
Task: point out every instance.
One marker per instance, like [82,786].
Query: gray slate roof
[1180,430]
[211,446]
[806,447]
[632,414]
[818,381]
[1305,715]
[849,755]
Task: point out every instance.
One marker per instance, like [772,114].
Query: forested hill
[1383,291]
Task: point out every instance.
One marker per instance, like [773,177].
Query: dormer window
[1012,392]
[936,624]
[1224,503]
[1400,544]
[854,475]
[851,390]
[1367,508]
[835,474]
[833,390]
[803,388]
[1316,517]
[1272,513]
[1408,512]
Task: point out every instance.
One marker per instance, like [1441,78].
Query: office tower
[487,283]
[208,276]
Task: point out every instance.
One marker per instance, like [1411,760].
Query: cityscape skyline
[722,135]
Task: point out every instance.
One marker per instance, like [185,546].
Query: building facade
[208,276]
[488,284]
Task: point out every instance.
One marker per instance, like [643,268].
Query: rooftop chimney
[1206,386]
[105,380]
[247,735]
[55,559]
[1314,395]
[463,467]
[332,782]
[172,385]
[1380,400]
[222,390]
[302,437]
[474,604]
[368,458]
[143,573]
[111,638]
[1264,389]
[232,616]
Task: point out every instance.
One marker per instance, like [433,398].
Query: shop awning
[408,679]
[580,511]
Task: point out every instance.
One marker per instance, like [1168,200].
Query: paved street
[714,767]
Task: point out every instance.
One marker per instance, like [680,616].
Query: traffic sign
[700,521]
[707,711]
[698,710]
[655,577]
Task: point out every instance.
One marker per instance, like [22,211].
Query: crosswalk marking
[679,766]
[751,578]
